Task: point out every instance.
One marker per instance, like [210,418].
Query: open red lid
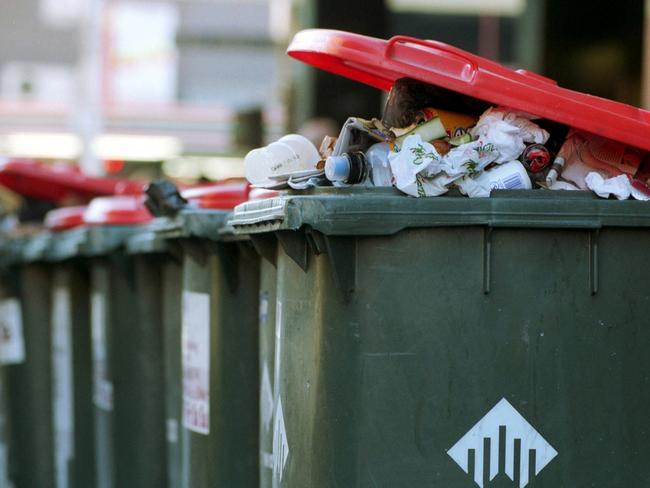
[221,196]
[120,210]
[379,63]
[58,183]
[64,218]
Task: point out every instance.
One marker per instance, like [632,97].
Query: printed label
[12,342]
[196,362]
[62,383]
[102,385]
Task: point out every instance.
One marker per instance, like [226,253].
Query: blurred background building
[185,87]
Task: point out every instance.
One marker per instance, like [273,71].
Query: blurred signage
[142,59]
[460,7]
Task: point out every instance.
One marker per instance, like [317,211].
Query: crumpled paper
[618,186]
[421,171]
[508,131]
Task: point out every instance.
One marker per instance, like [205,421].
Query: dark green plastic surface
[9,290]
[159,271]
[402,322]
[225,269]
[74,439]
[228,455]
[29,384]
[171,321]
[268,277]
[129,421]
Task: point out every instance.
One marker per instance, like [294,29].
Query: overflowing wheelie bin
[454,341]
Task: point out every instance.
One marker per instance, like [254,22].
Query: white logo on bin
[503,427]
[280,444]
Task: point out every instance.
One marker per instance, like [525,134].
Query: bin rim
[373,211]
[379,63]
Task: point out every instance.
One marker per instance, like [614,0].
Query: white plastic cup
[304,149]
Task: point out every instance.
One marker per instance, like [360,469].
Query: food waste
[430,142]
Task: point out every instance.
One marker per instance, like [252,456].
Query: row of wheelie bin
[333,337]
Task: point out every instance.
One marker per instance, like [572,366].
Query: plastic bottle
[507,176]
[357,168]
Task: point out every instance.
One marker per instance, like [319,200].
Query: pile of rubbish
[424,150]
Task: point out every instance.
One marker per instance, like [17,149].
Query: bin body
[418,326]
[220,433]
[29,383]
[158,276]
[127,361]
[173,380]
[11,352]
[72,408]
[268,277]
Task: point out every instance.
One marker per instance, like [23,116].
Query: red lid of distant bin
[379,63]
[64,218]
[119,210]
[221,196]
[58,183]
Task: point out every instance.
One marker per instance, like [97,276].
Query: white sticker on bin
[102,385]
[62,382]
[195,344]
[266,399]
[12,342]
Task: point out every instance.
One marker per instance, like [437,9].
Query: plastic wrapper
[619,186]
[584,153]
[508,131]
[421,171]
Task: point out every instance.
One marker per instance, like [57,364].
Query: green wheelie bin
[440,341]
[12,346]
[127,352]
[218,431]
[28,382]
[158,273]
[454,341]
[71,357]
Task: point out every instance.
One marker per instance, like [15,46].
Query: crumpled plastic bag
[619,186]
[470,158]
[562,185]
[508,131]
[421,171]
[416,161]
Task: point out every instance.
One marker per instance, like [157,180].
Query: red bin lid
[119,210]
[64,218]
[221,196]
[379,62]
[55,183]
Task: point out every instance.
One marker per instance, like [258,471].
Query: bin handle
[467,73]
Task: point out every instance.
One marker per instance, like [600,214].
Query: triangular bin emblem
[503,427]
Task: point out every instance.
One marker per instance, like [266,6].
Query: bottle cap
[337,168]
